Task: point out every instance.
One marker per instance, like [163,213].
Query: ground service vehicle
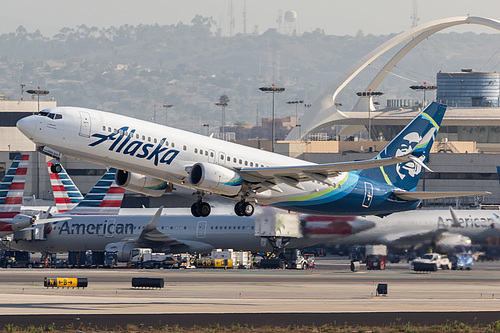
[375,256]
[14,258]
[89,258]
[146,258]
[430,262]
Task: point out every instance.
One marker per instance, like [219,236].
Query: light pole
[424,88]
[272,90]
[370,95]
[296,102]
[167,106]
[223,102]
[37,92]
[306,105]
[208,128]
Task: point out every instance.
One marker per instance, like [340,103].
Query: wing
[151,236]
[269,177]
[410,195]
[409,238]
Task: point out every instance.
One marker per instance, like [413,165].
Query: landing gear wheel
[247,209]
[237,208]
[243,208]
[56,168]
[194,210]
[204,209]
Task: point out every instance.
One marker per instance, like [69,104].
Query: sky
[336,17]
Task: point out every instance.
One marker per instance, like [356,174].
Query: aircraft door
[367,200]
[201,229]
[84,124]
[109,228]
[211,156]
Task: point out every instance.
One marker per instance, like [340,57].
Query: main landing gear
[244,208]
[56,168]
[201,208]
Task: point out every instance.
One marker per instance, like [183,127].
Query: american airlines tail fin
[66,194]
[417,137]
[12,187]
[105,198]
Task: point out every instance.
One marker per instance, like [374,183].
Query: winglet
[153,224]
[454,217]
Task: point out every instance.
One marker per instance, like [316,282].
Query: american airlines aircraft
[174,230]
[444,229]
[152,158]
[97,223]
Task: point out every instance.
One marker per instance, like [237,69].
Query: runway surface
[330,293]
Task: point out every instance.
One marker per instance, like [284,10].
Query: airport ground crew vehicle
[146,258]
[430,262]
[14,258]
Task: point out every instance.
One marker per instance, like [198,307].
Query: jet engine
[21,221]
[215,178]
[142,184]
[122,250]
[447,242]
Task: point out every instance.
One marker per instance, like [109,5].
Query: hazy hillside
[130,69]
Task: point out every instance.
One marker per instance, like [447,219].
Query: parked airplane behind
[11,198]
[173,230]
[443,228]
[66,194]
[169,156]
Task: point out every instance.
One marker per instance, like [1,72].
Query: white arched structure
[324,112]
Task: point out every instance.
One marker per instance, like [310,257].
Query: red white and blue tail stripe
[66,194]
[105,198]
[12,187]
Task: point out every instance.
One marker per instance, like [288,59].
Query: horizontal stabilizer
[412,195]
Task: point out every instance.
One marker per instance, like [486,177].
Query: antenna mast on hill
[245,17]
[231,18]
[414,18]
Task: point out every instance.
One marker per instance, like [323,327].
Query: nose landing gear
[56,168]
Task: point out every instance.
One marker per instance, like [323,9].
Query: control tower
[468,88]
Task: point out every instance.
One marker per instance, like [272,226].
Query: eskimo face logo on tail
[411,169]
[126,145]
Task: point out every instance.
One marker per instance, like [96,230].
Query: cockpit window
[58,116]
[42,113]
[51,115]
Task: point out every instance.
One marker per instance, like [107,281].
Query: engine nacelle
[122,250]
[448,241]
[215,178]
[142,184]
[21,221]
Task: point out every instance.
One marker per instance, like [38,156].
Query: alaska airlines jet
[152,158]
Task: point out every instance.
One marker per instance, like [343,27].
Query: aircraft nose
[27,126]
[361,224]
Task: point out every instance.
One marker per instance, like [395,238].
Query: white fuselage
[94,232]
[405,229]
[155,150]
